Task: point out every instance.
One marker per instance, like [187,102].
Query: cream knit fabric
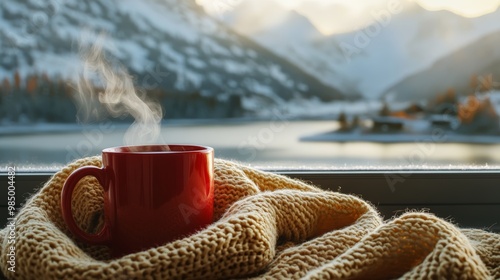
[266,226]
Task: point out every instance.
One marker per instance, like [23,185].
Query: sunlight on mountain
[339,16]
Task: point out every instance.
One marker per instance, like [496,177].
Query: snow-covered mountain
[411,41]
[371,60]
[292,36]
[171,44]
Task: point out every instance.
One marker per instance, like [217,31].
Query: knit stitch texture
[266,226]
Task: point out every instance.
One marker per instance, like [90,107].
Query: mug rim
[195,149]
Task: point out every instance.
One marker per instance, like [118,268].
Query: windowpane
[327,84]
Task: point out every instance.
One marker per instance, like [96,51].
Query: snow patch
[276,73]
[167,50]
[256,87]
[208,45]
[235,67]
[237,51]
[197,63]
[54,65]
[193,79]
[137,55]
[159,15]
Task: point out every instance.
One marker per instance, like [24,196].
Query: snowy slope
[171,44]
[412,41]
[291,36]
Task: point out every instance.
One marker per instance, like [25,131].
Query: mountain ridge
[369,61]
[149,38]
[453,71]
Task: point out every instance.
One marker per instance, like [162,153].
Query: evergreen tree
[344,125]
[17,80]
[385,111]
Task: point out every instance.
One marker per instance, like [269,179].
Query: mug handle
[103,236]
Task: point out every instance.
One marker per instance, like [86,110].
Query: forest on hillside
[40,99]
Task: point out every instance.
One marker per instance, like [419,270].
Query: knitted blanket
[266,226]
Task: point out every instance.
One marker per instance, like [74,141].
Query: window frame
[467,198]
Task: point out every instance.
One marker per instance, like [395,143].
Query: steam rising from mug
[117,93]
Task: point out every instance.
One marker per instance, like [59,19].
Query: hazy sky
[332,16]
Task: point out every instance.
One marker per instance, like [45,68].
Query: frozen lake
[270,144]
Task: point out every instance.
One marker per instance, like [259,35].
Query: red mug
[153,195]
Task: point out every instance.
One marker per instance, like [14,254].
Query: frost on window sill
[297,167]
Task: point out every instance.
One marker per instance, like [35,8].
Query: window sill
[466,198]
